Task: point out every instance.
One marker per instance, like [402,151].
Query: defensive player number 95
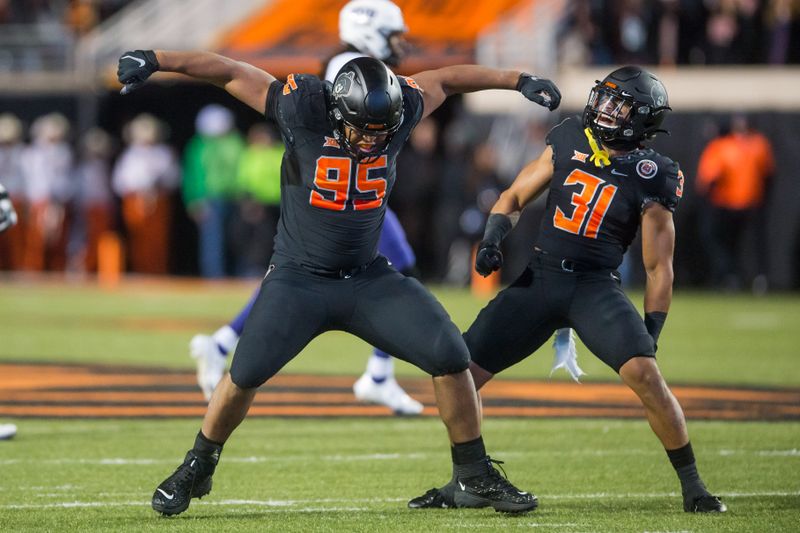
[332,183]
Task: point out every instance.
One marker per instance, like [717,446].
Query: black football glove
[488,259]
[134,69]
[543,92]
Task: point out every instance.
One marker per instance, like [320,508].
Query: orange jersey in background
[733,170]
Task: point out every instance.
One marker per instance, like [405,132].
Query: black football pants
[545,298]
[388,310]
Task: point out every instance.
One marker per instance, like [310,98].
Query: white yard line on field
[310,505]
[122,461]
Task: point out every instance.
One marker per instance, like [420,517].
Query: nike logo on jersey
[140,61]
[166,495]
[616,173]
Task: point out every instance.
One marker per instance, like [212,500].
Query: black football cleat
[190,480]
[492,489]
[704,504]
[433,499]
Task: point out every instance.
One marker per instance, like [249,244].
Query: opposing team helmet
[366,102]
[626,108]
[368,26]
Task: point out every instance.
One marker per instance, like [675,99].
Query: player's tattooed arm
[437,85]
[658,245]
[245,82]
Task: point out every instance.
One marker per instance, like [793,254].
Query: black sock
[207,451]
[465,453]
[685,466]
[469,459]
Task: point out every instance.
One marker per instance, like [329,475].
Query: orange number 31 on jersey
[582,201]
[332,188]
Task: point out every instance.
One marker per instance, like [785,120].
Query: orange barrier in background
[110,259]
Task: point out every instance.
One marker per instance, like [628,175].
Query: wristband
[654,322]
[522,77]
[150,55]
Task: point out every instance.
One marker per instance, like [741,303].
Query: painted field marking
[289,505]
[122,461]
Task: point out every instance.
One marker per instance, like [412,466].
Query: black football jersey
[593,213]
[332,207]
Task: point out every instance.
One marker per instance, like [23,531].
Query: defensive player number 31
[332,184]
[581,200]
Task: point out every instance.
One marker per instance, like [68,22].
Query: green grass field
[356,474]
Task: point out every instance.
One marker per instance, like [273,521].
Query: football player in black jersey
[373,28]
[604,184]
[342,141]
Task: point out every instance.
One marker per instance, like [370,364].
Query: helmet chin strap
[599,157]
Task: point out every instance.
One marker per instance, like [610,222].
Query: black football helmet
[626,108]
[366,107]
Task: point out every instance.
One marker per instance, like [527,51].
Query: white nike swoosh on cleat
[463,487]
[167,496]
[138,60]
[523,493]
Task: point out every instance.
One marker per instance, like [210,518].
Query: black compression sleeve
[497,227]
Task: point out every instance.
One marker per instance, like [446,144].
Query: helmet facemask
[608,113]
[626,108]
[366,108]
[365,145]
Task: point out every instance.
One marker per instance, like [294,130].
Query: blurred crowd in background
[208,204]
[78,16]
[68,197]
[227,183]
[681,32]
[664,32]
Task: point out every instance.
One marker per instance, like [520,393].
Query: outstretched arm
[438,84]
[242,80]
[658,244]
[529,184]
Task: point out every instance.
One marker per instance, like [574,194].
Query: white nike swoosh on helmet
[138,60]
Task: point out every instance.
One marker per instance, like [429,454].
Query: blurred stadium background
[81,284]
[718,58]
